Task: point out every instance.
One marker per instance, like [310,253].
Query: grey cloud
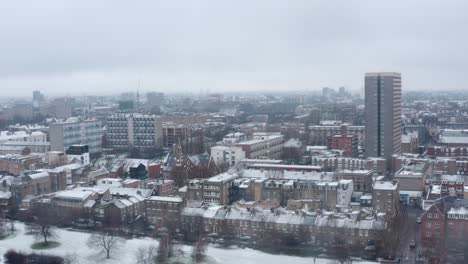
[103,46]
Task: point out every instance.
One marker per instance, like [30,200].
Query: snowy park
[74,242]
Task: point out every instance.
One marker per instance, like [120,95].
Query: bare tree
[396,231]
[165,248]
[199,250]
[107,242]
[147,255]
[42,227]
[42,230]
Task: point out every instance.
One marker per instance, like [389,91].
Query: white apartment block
[76,131]
[228,155]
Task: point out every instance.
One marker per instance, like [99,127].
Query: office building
[76,131]
[134,130]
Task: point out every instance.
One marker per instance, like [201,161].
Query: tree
[199,250]
[41,227]
[165,248]
[147,255]
[107,242]
[395,231]
[42,230]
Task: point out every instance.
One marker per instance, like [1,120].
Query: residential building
[126,131]
[18,164]
[409,143]
[386,196]
[227,155]
[378,165]
[263,145]
[164,211]
[347,143]
[362,179]
[219,189]
[319,134]
[383,115]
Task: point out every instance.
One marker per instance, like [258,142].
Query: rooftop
[175,199]
[223,177]
[386,185]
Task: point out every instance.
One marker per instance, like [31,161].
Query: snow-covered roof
[458,211]
[75,194]
[385,185]
[5,195]
[453,136]
[39,175]
[223,177]
[292,143]
[143,193]
[175,199]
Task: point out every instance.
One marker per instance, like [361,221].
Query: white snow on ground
[75,242]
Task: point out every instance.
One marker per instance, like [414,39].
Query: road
[411,231]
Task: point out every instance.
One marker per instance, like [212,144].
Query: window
[436,225]
[429,215]
[428,225]
[428,234]
[436,215]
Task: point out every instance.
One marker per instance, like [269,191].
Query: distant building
[76,131]
[155,99]
[383,115]
[61,107]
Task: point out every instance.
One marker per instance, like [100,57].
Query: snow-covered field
[75,242]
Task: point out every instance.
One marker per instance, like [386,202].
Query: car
[418,220]
[412,244]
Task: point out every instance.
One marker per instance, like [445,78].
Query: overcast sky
[101,47]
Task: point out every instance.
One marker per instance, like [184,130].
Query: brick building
[347,143]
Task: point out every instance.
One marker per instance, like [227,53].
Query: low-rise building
[263,145]
[362,179]
[219,189]
[227,155]
[163,211]
[386,196]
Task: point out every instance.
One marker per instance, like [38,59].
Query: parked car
[418,220]
[412,244]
